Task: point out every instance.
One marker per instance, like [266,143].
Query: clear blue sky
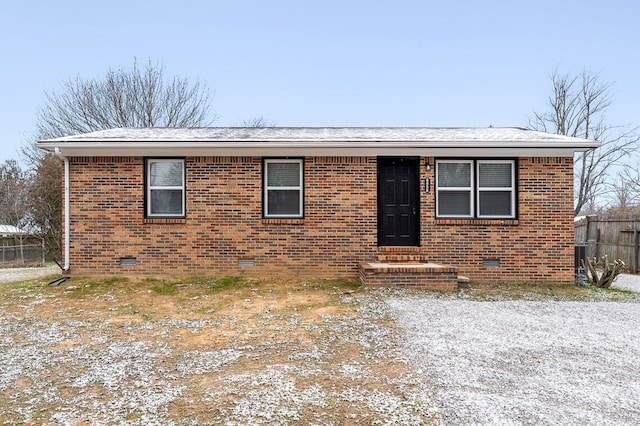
[328,63]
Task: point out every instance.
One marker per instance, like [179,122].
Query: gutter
[67,219]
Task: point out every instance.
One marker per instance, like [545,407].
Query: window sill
[478,222]
[165,220]
[283,221]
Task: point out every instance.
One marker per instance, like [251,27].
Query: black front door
[398,202]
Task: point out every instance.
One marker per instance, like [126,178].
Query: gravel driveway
[628,282]
[525,362]
[483,363]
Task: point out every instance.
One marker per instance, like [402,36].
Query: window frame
[149,188]
[511,189]
[267,188]
[476,190]
[470,188]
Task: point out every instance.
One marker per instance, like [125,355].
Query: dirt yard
[201,351]
[237,351]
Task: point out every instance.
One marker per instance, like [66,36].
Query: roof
[10,230]
[261,141]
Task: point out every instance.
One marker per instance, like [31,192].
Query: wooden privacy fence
[618,238]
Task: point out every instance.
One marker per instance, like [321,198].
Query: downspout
[67,219]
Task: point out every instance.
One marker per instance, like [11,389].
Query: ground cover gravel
[121,353]
[525,362]
[9,275]
[117,352]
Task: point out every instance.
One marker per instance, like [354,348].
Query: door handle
[414,210]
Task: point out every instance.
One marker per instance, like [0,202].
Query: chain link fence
[22,254]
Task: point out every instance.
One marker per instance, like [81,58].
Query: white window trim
[511,189]
[475,189]
[440,189]
[149,187]
[267,188]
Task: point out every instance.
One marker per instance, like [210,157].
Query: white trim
[299,187]
[511,189]
[149,187]
[336,148]
[474,189]
[456,188]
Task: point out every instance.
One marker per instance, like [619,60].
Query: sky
[448,63]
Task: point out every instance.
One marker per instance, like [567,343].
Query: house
[396,206]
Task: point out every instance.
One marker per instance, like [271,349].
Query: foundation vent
[490,263]
[246,262]
[127,261]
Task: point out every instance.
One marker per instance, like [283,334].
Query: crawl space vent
[490,263]
[247,262]
[127,261]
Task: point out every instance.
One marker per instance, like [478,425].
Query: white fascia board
[271,148]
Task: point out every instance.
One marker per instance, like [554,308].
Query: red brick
[224,223]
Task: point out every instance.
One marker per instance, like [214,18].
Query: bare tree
[631,175]
[625,192]
[45,205]
[14,204]
[136,97]
[139,97]
[261,121]
[577,108]
[14,185]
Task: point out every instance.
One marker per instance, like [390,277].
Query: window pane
[495,203]
[283,174]
[283,202]
[166,201]
[454,175]
[454,203]
[166,173]
[494,175]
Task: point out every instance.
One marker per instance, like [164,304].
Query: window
[283,188]
[454,183]
[165,193]
[475,188]
[496,188]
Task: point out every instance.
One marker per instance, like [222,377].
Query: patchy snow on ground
[525,362]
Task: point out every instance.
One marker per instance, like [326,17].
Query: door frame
[416,192]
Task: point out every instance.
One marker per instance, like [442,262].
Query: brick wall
[224,232]
[536,247]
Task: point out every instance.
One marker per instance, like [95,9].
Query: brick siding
[224,232]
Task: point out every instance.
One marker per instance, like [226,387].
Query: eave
[315,148]
[317,141]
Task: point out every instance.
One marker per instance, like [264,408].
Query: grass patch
[164,289]
[114,280]
[227,283]
[352,285]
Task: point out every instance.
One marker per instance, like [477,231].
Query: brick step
[401,258]
[425,276]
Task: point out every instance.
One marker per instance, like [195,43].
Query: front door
[398,202]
